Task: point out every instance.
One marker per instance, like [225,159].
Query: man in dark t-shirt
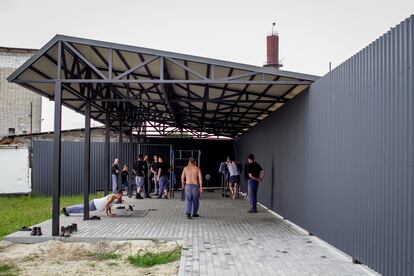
[163,173]
[145,172]
[139,175]
[255,176]
[154,174]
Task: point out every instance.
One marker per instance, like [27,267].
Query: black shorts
[234,179]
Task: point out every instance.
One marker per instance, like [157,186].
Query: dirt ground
[80,258]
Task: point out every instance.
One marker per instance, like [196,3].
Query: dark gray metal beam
[87,161]
[57,149]
[134,68]
[186,68]
[131,147]
[167,93]
[183,100]
[120,155]
[84,59]
[107,148]
[172,81]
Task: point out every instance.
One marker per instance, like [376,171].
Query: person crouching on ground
[99,204]
[192,182]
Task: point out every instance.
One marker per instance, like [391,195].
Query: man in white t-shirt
[234,178]
[99,204]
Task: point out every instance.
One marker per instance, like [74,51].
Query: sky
[311,33]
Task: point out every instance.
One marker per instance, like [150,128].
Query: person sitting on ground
[99,204]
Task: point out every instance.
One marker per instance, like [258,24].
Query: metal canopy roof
[171,92]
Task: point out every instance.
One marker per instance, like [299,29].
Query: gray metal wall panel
[72,165]
[339,157]
[213,152]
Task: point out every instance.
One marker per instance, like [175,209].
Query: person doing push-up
[100,204]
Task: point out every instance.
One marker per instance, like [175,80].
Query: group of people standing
[191,181]
[231,170]
[143,173]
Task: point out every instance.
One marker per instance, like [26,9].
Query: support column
[131,154]
[131,149]
[120,157]
[56,167]
[56,159]
[107,148]
[87,161]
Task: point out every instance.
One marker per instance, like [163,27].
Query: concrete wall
[339,158]
[15,100]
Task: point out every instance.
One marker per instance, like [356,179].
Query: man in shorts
[234,178]
[139,175]
[163,177]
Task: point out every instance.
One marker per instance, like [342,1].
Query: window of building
[12,131]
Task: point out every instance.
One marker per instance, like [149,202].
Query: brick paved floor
[225,240]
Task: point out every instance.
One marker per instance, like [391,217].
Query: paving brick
[225,240]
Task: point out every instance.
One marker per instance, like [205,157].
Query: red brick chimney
[273,51]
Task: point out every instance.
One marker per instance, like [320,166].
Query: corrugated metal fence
[339,158]
[213,152]
[72,164]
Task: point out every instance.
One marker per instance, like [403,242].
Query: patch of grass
[104,256]
[8,269]
[30,257]
[108,256]
[57,262]
[150,259]
[92,264]
[27,210]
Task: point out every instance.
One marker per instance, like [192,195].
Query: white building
[20,109]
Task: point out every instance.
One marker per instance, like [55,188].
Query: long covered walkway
[225,240]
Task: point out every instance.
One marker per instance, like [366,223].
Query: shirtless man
[192,182]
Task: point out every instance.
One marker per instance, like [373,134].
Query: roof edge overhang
[250,102]
[111,45]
